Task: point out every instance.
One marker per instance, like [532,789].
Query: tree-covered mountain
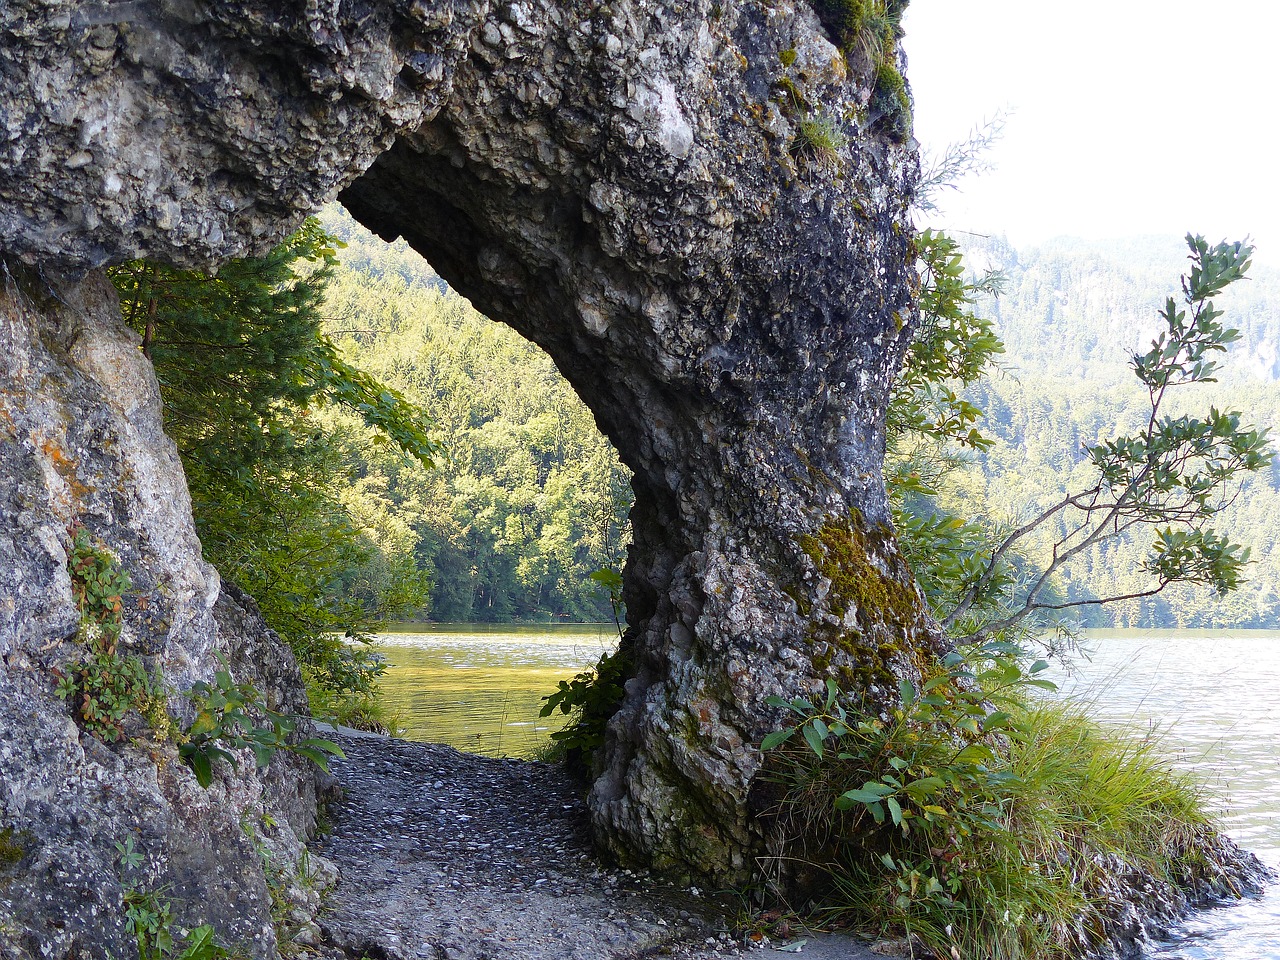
[529,498]
[1071,316]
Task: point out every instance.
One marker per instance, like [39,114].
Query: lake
[479,687]
[1212,696]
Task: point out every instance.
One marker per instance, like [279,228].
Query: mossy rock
[890,101]
[13,847]
[843,20]
[885,607]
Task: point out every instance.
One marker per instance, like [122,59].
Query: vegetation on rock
[974,817]
[979,821]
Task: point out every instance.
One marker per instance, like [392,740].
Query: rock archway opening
[699,210]
[734,330]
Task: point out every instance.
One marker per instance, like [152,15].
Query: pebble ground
[449,856]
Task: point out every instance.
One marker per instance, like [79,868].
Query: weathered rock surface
[621,187]
[81,442]
[629,185]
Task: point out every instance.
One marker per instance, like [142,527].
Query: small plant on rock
[232,716]
[817,143]
[105,686]
[148,916]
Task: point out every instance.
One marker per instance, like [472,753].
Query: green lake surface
[479,687]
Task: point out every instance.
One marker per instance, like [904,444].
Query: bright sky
[1128,116]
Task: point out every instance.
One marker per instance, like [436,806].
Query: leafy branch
[1173,476]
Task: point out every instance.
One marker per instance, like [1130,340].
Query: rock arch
[629,185]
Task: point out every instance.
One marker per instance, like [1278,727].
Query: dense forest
[1071,316]
[528,499]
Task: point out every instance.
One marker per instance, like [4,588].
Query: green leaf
[813,739]
[199,763]
[777,738]
[895,810]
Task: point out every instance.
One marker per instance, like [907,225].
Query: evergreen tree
[244,373]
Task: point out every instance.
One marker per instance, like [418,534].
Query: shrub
[980,821]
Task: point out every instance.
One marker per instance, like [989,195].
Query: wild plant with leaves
[106,684]
[986,576]
[1170,478]
[977,821]
[233,716]
[149,917]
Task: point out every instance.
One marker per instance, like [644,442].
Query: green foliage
[531,499]
[1170,476]
[281,879]
[231,716]
[1071,315]
[149,918]
[817,142]
[977,822]
[931,424]
[98,584]
[248,378]
[1173,475]
[952,349]
[890,103]
[590,699]
[862,29]
[105,686]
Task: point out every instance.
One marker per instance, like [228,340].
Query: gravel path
[449,856]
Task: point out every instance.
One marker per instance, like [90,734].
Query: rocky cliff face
[81,444]
[698,208]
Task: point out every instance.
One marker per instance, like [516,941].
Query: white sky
[1128,116]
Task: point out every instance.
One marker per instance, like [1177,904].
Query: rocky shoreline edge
[443,855]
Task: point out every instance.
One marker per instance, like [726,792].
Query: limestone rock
[81,442]
[630,185]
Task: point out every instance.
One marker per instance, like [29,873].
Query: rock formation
[699,209]
[81,443]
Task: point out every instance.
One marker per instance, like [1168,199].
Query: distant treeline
[529,498]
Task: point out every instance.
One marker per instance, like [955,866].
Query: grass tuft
[982,822]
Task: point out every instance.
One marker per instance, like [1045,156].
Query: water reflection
[479,688]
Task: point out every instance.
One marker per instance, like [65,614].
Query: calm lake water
[1215,698]
[479,687]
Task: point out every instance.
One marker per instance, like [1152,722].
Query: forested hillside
[529,498]
[1071,315]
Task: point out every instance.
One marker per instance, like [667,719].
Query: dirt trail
[449,856]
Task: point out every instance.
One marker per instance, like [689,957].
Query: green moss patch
[889,99]
[884,606]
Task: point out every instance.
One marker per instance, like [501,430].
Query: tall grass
[1039,834]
